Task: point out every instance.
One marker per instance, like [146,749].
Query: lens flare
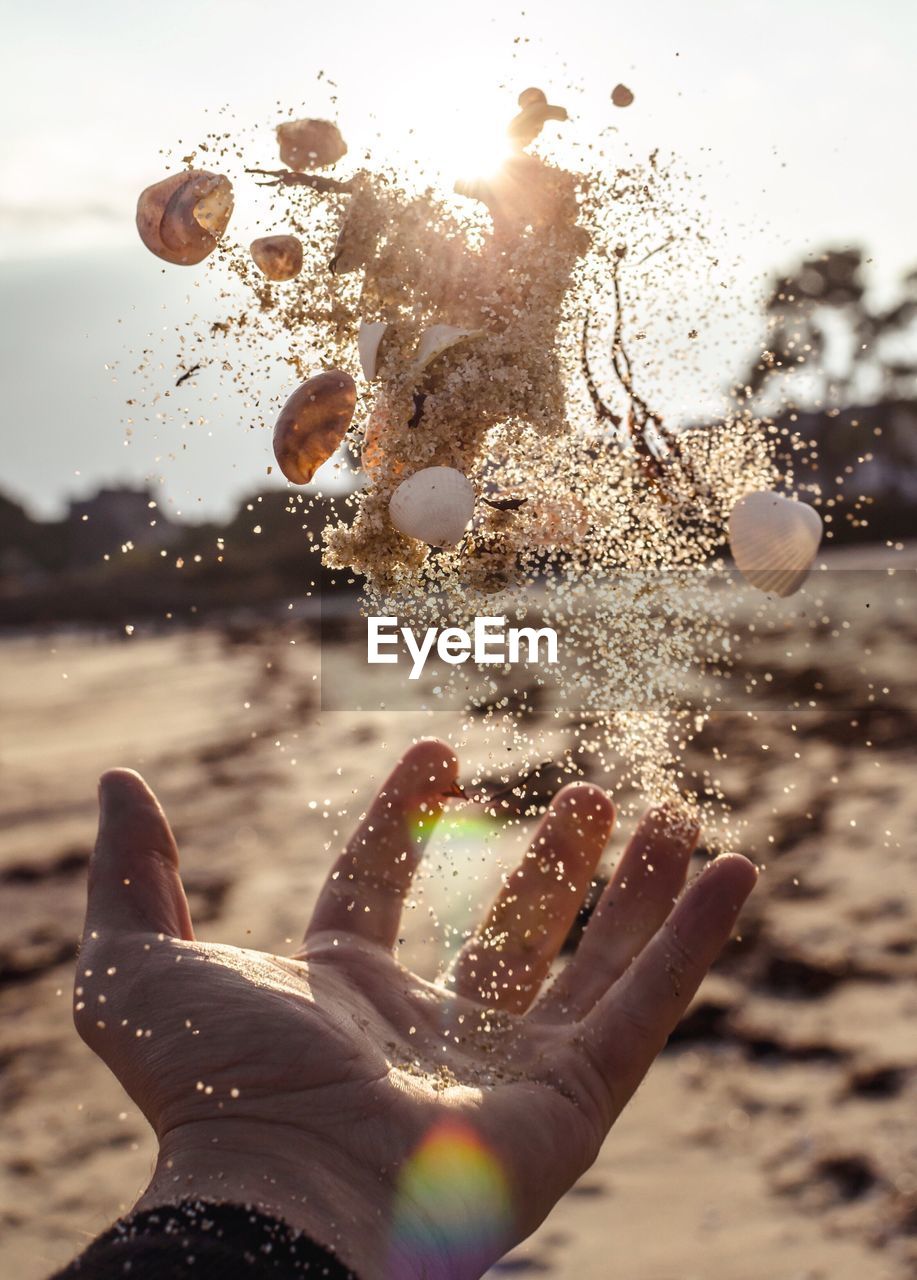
[452,1180]
[469,826]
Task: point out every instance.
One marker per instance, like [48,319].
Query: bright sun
[469,154]
[466,139]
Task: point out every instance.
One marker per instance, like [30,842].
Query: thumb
[134,882]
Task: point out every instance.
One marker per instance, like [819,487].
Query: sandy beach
[774,1140]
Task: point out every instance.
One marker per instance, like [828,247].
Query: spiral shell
[277,257]
[312,424]
[433,505]
[181,218]
[774,541]
[310,144]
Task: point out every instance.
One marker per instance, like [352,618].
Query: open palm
[418,1129]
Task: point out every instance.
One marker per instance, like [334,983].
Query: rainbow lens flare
[470,825]
[453,1198]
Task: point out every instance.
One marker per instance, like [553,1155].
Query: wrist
[271,1168]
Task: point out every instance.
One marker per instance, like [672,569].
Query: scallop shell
[369,339]
[312,424]
[277,257]
[774,541]
[181,218]
[433,505]
[438,339]
[310,144]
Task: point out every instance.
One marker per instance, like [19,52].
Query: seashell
[438,339]
[277,257]
[181,218]
[774,541]
[532,97]
[433,505]
[312,424]
[621,96]
[377,438]
[310,144]
[369,339]
[536,111]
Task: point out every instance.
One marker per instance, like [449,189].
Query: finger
[635,903]
[632,1022]
[364,894]
[507,959]
[134,882]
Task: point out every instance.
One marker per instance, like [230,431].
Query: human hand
[416,1128]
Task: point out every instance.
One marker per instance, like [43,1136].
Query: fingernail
[117,785]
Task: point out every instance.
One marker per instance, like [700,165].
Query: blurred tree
[840,371]
[821,319]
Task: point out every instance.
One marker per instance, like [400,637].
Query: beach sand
[774,1140]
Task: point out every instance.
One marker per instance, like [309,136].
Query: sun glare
[468,155]
[463,141]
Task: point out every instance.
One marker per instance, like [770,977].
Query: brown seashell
[312,424]
[181,218]
[530,96]
[277,257]
[536,111]
[621,96]
[310,144]
[378,426]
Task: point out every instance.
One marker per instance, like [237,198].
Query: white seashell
[439,338]
[433,505]
[774,541]
[369,339]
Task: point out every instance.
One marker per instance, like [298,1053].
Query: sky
[793,118]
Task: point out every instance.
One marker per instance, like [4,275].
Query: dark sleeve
[196,1240]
